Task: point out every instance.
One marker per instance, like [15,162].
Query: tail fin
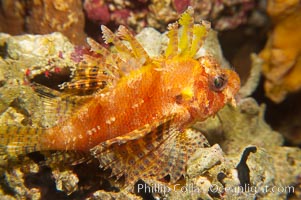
[15,140]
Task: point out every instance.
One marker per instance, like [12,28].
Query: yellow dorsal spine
[172,47]
[187,22]
[199,32]
[189,41]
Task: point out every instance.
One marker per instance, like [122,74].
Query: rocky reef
[158,14]
[243,160]
[252,149]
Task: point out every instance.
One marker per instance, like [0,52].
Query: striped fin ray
[126,58]
[151,165]
[178,166]
[109,59]
[65,157]
[57,107]
[110,37]
[123,153]
[86,83]
[138,50]
[16,140]
[98,70]
[97,48]
[160,152]
[177,152]
[92,74]
[169,157]
[141,152]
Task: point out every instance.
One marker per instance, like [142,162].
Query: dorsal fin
[172,47]
[97,71]
[102,68]
[187,22]
[110,37]
[188,41]
[138,50]
[129,58]
[88,78]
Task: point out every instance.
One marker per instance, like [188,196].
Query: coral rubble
[26,57]
[157,13]
[245,150]
[237,12]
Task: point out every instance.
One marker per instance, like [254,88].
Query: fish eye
[218,82]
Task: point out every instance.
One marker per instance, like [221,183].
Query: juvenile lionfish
[139,122]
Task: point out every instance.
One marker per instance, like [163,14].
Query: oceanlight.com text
[191,188]
[252,189]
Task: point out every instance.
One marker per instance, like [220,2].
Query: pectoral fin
[152,151]
[127,155]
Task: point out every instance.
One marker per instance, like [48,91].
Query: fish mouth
[233,101]
[233,86]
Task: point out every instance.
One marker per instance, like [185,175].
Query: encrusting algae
[137,120]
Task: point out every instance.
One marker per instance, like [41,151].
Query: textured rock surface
[43,17]
[158,13]
[65,16]
[25,57]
